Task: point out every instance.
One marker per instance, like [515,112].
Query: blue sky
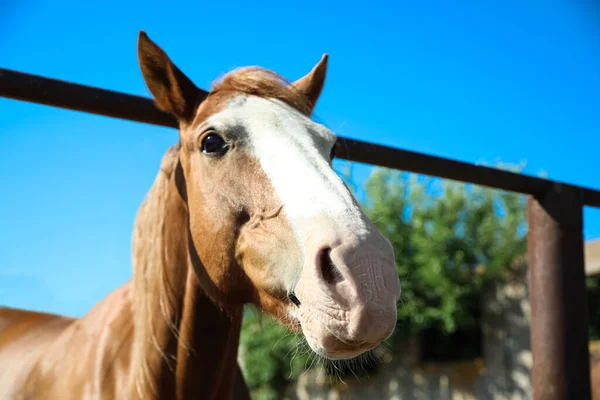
[486,81]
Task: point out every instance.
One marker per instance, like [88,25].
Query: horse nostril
[330,273]
[294,299]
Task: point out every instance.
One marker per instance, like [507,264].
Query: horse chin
[336,350]
[327,345]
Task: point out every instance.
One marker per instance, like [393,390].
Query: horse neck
[184,344]
[208,365]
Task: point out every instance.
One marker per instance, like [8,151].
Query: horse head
[270,222]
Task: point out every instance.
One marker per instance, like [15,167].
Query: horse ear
[173,92]
[312,83]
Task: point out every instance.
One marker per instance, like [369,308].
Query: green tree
[272,355]
[450,239]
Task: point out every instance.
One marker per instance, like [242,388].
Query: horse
[246,209]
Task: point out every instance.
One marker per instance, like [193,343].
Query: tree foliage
[272,356]
[449,239]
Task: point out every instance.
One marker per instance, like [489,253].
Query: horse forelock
[261,82]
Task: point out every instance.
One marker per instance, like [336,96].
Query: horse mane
[264,83]
[158,282]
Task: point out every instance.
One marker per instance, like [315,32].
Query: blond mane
[262,82]
[157,279]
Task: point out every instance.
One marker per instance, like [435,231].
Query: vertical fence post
[557,293]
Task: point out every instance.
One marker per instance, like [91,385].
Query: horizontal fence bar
[72,96]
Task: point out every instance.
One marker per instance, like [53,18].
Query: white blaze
[294,153]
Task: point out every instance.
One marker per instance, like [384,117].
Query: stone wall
[502,374]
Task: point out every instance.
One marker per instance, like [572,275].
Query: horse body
[51,356]
[63,357]
[246,209]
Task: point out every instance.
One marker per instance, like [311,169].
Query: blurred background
[510,84]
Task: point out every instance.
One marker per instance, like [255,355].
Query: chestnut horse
[246,209]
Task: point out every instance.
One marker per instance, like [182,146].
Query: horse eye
[214,145]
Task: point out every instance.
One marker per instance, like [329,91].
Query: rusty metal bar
[72,96]
[394,158]
[557,294]
[52,92]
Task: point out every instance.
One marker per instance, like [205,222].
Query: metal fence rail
[557,292]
